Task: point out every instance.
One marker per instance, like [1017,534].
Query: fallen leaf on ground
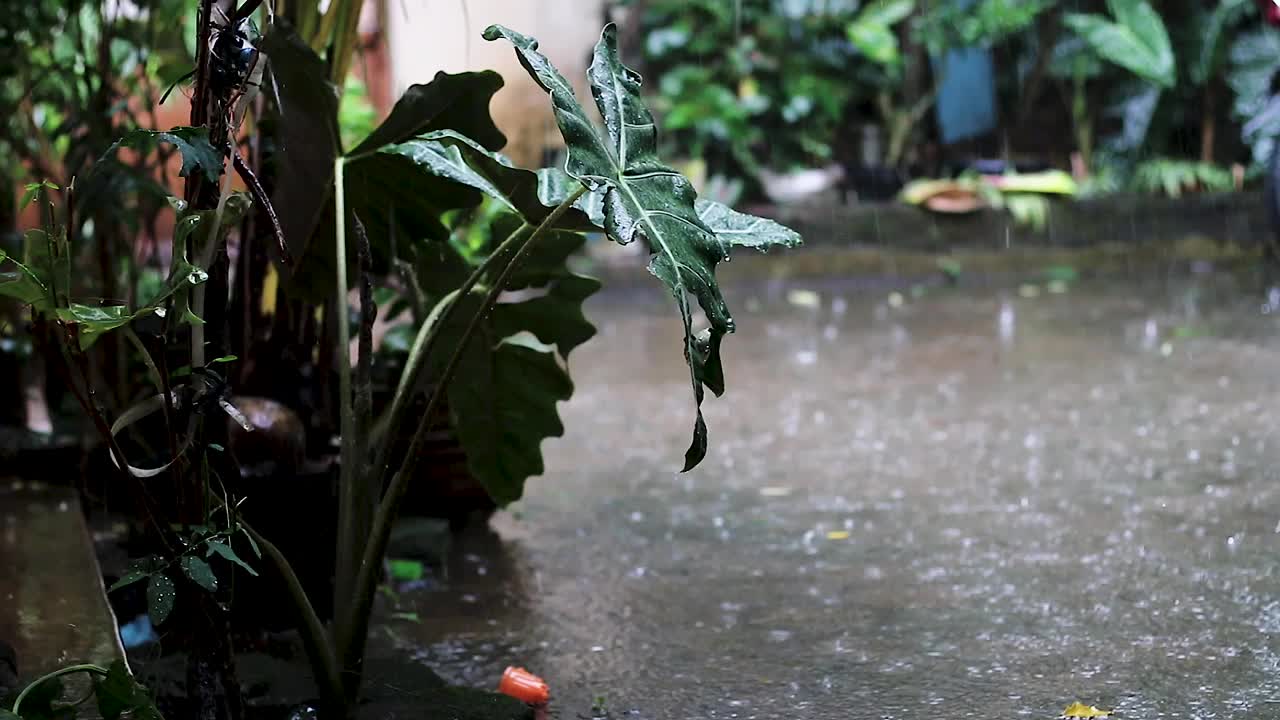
[1080,710]
[838,535]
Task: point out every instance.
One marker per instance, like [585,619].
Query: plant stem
[348,475]
[351,643]
[314,637]
[423,344]
[93,669]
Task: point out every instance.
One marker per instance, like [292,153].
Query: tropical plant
[1253,64]
[928,27]
[390,204]
[748,85]
[1210,62]
[116,693]
[1134,38]
[1172,177]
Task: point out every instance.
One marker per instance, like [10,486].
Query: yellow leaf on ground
[838,535]
[1080,710]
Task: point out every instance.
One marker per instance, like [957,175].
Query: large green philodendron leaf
[451,156]
[457,102]
[388,194]
[504,405]
[642,198]
[1136,41]
[308,138]
[503,398]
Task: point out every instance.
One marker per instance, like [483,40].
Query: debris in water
[896,300]
[524,686]
[804,298]
[838,535]
[775,491]
[1080,710]
[1029,291]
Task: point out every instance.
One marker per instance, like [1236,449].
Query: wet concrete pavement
[977,504]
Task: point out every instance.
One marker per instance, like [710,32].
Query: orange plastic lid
[524,686]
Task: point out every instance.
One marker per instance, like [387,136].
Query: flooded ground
[977,504]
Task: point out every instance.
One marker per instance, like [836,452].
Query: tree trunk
[1209,120]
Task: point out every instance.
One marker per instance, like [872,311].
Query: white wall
[427,36]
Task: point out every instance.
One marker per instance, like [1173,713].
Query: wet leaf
[31,190]
[94,322]
[160,597]
[128,578]
[22,284]
[459,102]
[224,551]
[119,695]
[198,154]
[309,137]
[1080,710]
[504,402]
[200,573]
[743,230]
[448,155]
[642,198]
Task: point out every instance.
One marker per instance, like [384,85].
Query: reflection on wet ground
[975,504]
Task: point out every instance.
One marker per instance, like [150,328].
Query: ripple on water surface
[972,505]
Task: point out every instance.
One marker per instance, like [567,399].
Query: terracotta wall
[427,36]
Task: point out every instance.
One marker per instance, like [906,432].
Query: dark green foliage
[119,695]
[161,595]
[642,199]
[197,153]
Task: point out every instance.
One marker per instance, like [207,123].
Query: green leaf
[456,102]
[224,551]
[308,136]
[871,32]
[504,405]
[451,156]
[1138,42]
[31,190]
[887,12]
[642,198]
[93,322]
[161,594]
[8,715]
[503,398]
[119,695]
[198,154]
[743,230]
[128,578]
[23,285]
[200,573]
[1213,46]
[253,544]
[1252,63]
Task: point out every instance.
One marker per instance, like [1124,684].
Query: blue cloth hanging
[966,104]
